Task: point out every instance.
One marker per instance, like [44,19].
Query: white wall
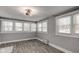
[68,43]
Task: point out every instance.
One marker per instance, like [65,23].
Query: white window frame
[45,27]
[72,34]
[38,26]
[3,20]
[57,29]
[33,28]
[15,26]
[41,22]
[29,26]
[74,24]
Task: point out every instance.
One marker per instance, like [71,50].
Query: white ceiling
[41,11]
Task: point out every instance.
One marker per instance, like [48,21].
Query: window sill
[43,32]
[15,32]
[68,35]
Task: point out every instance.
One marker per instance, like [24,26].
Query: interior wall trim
[56,46]
[4,42]
[60,48]
[1,17]
[42,40]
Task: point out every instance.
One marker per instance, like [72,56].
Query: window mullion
[72,25]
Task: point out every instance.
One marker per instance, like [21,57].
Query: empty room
[39,29]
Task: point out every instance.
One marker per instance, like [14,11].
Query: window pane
[76,23]
[27,27]
[44,26]
[18,26]
[64,24]
[7,26]
[33,27]
[39,27]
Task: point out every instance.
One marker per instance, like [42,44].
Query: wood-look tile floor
[31,46]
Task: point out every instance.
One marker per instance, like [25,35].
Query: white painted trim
[60,48]
[43,40]
[57,47]
[40,39]
[17,40]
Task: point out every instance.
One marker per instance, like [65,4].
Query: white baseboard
[57,47]
[17,40]
[60,48]
[44,41]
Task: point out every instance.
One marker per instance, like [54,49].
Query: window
[7,26]
[33,27]
[76,23]
[44,26]
[11,26]
[39,27]
[27,27]
[64,24]
[18,26]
